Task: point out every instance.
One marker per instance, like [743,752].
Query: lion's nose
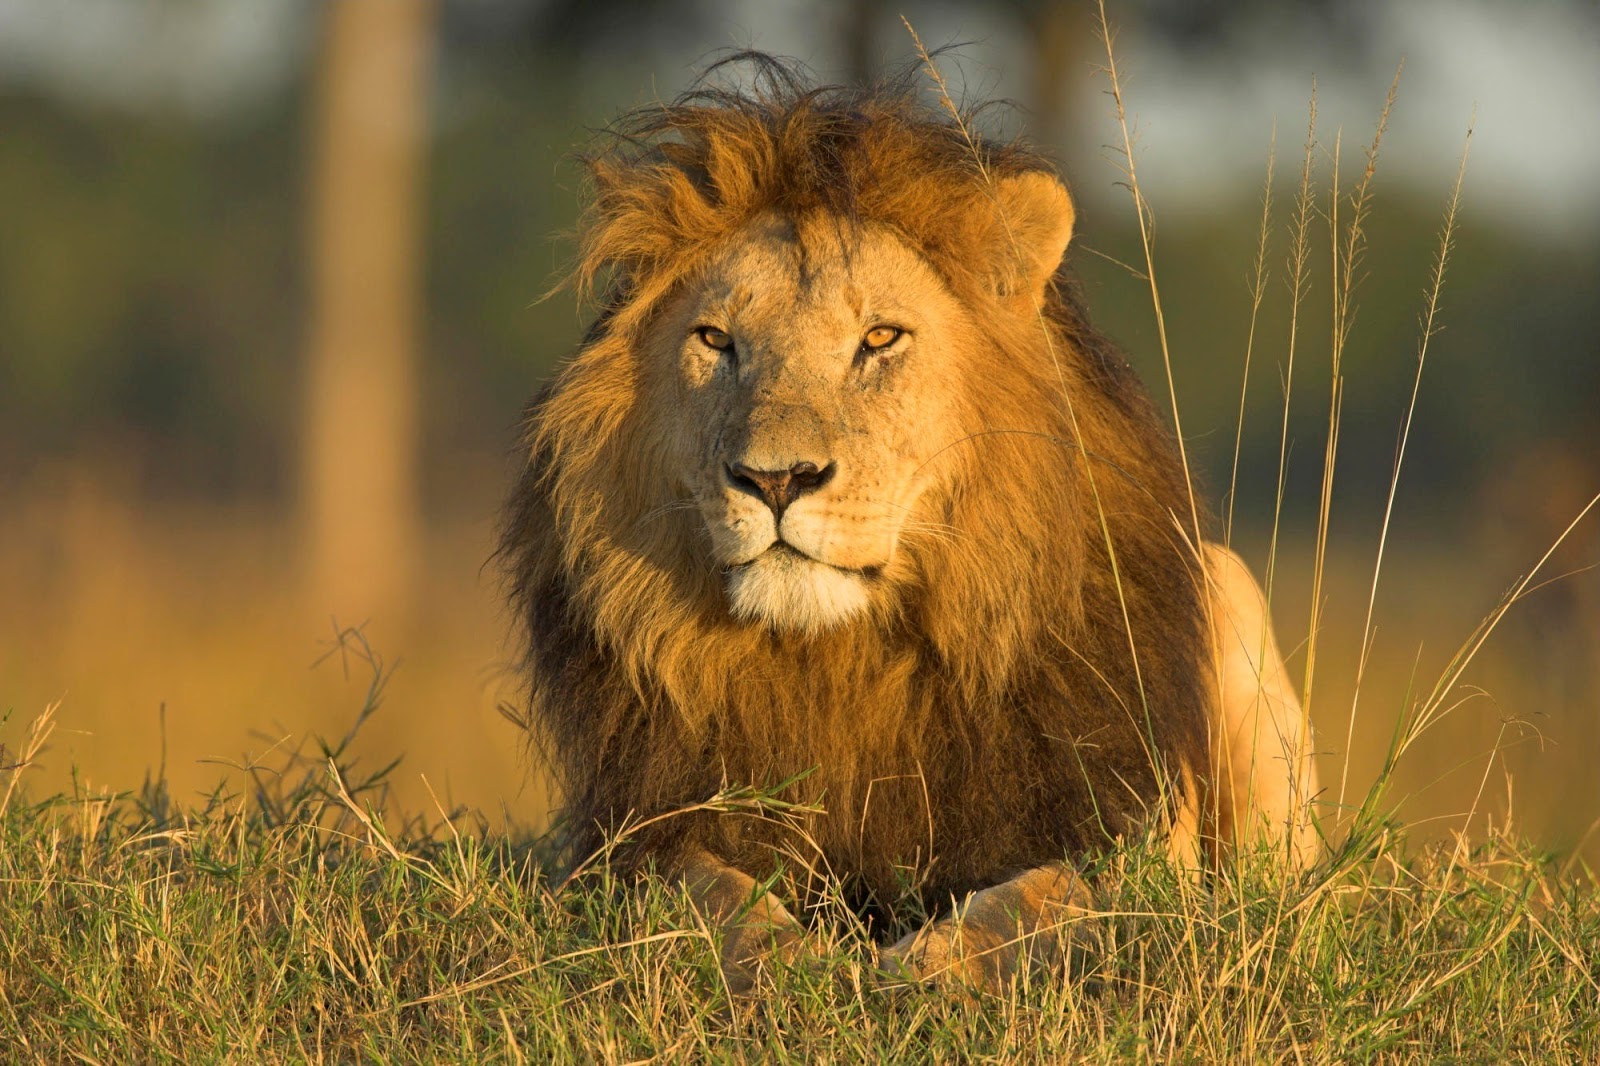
[780,488]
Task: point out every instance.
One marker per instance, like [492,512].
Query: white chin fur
[789,592]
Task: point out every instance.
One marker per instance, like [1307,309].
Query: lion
[842,493]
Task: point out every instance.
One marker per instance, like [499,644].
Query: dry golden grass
[300,910]
[178,636]
[294,923]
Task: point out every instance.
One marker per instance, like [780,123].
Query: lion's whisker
[685,504]
[1053,438]
[933,531]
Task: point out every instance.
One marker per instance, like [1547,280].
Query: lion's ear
[1033,223]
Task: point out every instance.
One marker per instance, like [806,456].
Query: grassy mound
[289,922]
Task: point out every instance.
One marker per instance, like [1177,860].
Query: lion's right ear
[1032,226]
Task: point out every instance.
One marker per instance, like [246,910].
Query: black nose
[780,488]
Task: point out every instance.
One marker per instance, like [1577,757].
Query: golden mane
[680,178]
[996,718]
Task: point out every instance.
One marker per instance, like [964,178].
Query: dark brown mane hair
[1032,698]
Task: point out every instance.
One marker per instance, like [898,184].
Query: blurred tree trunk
[859,23]
[362,522]
[1064,41]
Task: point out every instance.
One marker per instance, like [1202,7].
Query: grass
[293,914]
[288,921]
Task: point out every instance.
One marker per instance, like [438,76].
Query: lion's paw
[753,953]
[946,953]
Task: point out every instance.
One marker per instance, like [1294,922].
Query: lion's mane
[1002,717]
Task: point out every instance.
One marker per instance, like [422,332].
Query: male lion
[842,490]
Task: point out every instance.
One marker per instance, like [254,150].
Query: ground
[290,923]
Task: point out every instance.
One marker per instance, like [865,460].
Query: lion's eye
[880,337]
[712,337]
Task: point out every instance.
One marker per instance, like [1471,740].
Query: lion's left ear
[1032,225]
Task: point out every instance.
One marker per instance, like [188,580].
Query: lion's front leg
[994,934]
[757,929]
[1265,775]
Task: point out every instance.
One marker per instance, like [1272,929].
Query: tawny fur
[1001,697]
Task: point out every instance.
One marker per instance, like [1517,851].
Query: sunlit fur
[988,694]
[794,593]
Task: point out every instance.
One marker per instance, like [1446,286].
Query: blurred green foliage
[152,298]
[154,327]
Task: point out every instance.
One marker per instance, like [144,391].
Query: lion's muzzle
[780,488]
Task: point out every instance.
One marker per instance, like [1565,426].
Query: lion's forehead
[821,279]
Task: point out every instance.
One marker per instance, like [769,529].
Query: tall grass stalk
[1258,291]
[1348,249]
[960,120]
[1141,210]
[1299,282]
[1429,327]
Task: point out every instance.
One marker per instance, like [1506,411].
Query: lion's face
[832,484]
[813,377]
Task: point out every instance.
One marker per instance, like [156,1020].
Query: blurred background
[269,281]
